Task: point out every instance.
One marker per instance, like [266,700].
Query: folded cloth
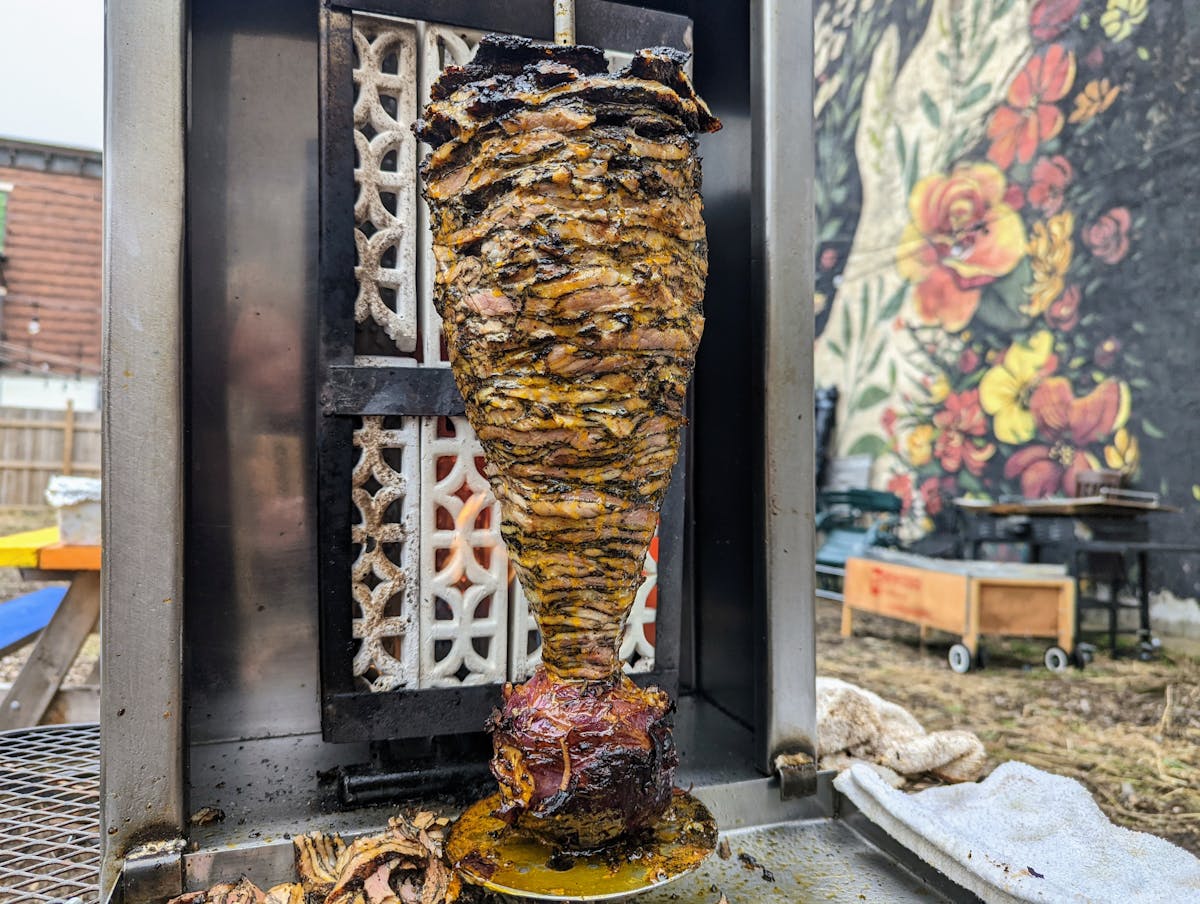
[856,725]
[1026,835]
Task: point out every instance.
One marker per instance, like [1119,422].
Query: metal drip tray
[50,814]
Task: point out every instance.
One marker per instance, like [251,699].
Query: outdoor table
[1071,531]
[41,556]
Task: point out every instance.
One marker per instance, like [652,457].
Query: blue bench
[22,618]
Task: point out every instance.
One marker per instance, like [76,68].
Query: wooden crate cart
[967,598]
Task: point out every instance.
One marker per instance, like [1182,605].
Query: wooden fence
[36,444]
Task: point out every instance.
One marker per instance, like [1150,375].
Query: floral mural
[994,225]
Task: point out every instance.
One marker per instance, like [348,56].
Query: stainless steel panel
[251,625]
[781,51]
[142,775]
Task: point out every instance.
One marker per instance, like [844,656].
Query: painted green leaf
[968,482]
[845,326]
[985,57]
[876,356]
[975,95]
[929,108]
[1152,431]
[1000,9]
[910,171]
[892,375]
[892,306]
[901,151]
[869,444]
[869,397]
[995,312]
[835,348]
[1143,54]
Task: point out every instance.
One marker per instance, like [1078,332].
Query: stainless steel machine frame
[211,662]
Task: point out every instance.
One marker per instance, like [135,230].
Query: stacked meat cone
[571,262]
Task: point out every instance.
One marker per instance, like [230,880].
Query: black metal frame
[347,391]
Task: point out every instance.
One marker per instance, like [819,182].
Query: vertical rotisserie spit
[571,260]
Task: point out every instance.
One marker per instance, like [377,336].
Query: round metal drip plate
[512,862]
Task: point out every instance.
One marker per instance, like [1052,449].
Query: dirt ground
[15,520]
[1129,730]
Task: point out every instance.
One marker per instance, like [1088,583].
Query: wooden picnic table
[41,556]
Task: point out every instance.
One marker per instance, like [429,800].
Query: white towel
[1027,835]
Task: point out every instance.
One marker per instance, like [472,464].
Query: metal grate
[50,814]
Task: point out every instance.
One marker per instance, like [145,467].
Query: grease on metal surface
[508,860]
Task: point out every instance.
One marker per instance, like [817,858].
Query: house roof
[52,259]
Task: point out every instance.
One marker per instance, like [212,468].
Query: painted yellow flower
[1006,389]
[1094,99]
[939,389]
[920,445]
[1050,251]
[1123,455]
[1122,17]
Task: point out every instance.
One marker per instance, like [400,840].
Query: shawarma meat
[571,260]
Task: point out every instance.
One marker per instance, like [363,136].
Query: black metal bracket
[797,775]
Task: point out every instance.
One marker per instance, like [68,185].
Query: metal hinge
[797,775]
[153,872]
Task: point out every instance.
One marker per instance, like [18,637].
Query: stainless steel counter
[268,790]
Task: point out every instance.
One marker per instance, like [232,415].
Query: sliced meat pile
[571,260]
[403,865]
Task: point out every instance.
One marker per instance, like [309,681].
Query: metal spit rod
[564,21]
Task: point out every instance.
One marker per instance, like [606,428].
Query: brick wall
[52,271]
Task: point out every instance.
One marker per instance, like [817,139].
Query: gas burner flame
[461,551]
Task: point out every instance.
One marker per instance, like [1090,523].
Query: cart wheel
[960,658]
[1084,653]
[1056,659]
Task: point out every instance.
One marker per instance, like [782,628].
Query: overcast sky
[52,71]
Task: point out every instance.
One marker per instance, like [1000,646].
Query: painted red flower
[902,486]
[1014,197]
[1069,425]
[1030,115]
[1050,178]
[968,360]
[1050,18]
[889,421]
[931,496]
[1063,313]
[959,422]
[1108,237]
